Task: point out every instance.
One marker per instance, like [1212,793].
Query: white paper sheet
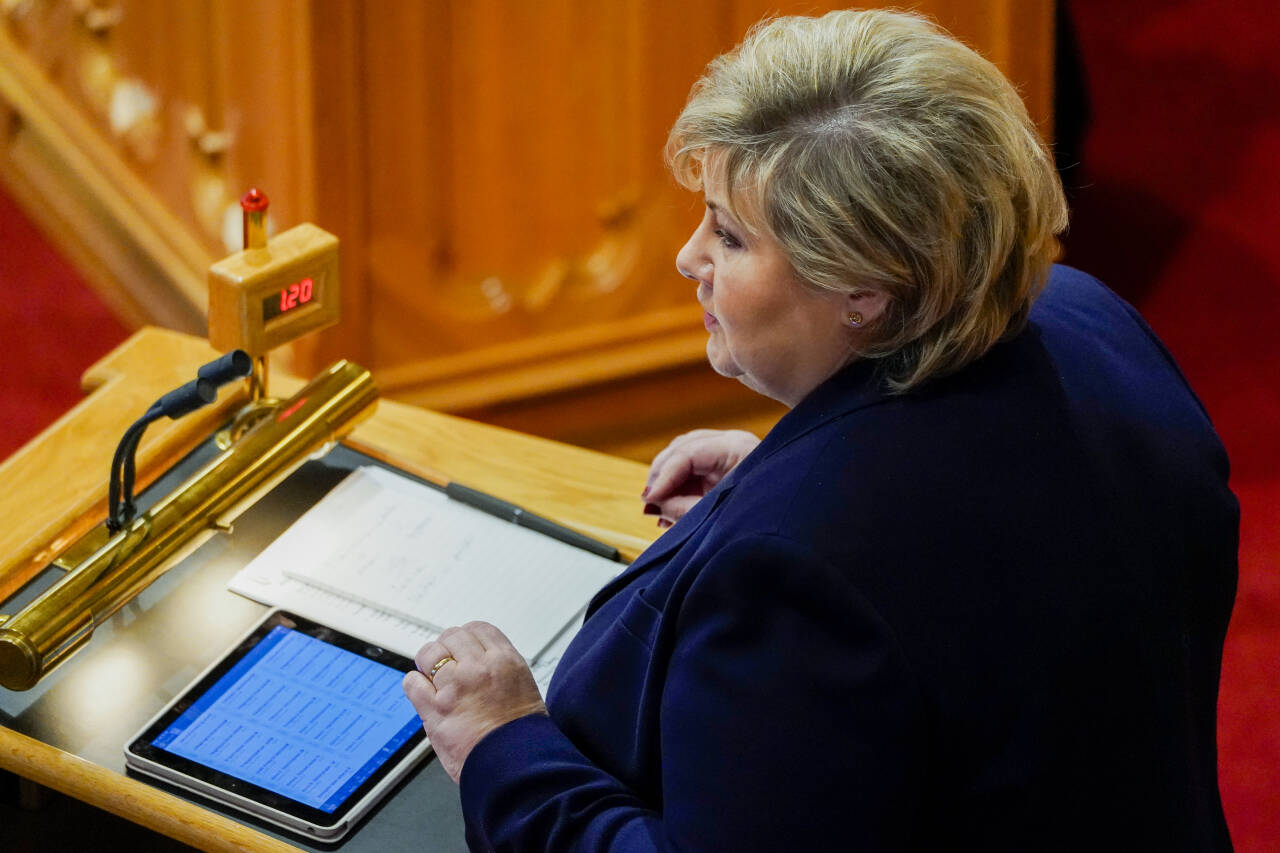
[393,561]
[267,584]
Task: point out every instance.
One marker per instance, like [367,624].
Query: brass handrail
[62,618]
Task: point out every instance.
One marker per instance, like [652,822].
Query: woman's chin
[721,362]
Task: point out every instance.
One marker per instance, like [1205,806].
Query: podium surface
[69,731]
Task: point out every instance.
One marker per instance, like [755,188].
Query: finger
[492,637]
[463,642]
[674,508]
[676,445]
[742,443]
[429,654]
[675,472]
[657,466]
[422,694]
[419,691]
[693,468]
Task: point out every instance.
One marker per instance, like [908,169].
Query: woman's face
[767,329]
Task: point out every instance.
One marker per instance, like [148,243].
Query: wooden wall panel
[335,120]
[525,155]
[493,169]
[526,144]
[262,94]
[529,228]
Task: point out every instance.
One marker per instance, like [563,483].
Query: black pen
[516,515]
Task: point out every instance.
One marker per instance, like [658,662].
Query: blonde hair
[884,154]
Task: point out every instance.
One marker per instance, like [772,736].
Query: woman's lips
[709,320]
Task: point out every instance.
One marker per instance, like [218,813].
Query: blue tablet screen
[299,717]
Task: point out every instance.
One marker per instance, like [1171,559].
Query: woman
[970,592]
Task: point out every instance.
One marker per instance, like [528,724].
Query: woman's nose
[688,261]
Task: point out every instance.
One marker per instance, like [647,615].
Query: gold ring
[431,676]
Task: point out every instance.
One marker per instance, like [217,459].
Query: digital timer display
[264,298]
[288,298]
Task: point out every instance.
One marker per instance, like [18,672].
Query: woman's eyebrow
[720,211]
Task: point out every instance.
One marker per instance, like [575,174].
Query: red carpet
[1177,206]
[53,327]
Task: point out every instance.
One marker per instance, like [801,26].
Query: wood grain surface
[130,799]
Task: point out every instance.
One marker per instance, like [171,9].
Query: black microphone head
[188,398]
[233,365]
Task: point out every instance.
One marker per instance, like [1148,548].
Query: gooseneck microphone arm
[193,395]
[175,404]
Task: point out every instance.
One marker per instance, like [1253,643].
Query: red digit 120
[296,294]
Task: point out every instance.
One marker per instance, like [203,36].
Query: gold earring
[855,318]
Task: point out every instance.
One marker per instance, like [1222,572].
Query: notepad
[405,549]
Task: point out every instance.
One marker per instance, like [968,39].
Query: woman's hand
[689,467]
[482,684]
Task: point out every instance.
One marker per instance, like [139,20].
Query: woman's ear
[865,306]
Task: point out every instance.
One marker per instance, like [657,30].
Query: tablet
[297,724]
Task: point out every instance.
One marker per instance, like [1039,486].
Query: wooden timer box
[261,298]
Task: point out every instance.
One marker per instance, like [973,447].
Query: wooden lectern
[55,487]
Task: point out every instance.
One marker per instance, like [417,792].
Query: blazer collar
[665,544]
[854,387]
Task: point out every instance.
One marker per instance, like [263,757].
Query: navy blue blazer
[986,615]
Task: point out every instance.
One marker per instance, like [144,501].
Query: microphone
[234,365]
[196,394]
[184,400]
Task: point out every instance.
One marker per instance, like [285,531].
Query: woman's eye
[726,239]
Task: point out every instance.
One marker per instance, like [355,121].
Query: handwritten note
[403,551]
